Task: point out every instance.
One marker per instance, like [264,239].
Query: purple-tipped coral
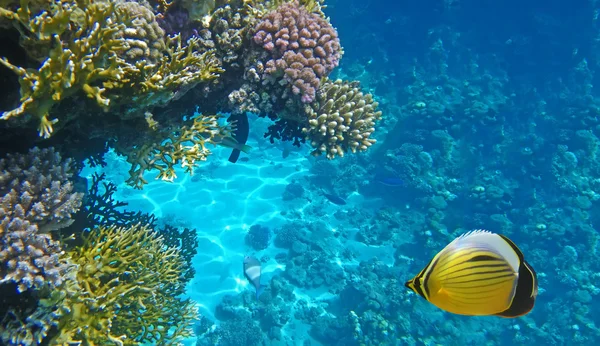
[304,47]
[36,197]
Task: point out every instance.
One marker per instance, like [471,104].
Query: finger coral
[125,291]
[36,197]
[304,47]
[342,119]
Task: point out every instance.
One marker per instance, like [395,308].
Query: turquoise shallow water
[223,200]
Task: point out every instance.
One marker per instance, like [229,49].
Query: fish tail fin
[235,155]
[260,291]
[246,148]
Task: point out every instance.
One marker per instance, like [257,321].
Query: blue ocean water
[490,121]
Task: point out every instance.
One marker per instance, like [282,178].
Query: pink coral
[303,45]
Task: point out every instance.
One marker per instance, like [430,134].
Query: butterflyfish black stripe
[441,268]
[482,279]
[448,258]
[479,258]
[478,273]
[456,293]
[416,282]
[456,285]
[456,262]
[469,301]
[471,267]
[427,273]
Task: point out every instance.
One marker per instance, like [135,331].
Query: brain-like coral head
[144,37]
[304,47]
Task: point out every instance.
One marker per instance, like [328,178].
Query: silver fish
[252,273]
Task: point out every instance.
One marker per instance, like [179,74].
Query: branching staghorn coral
[177,72]
[29,320]
[168,147]
[73,64]
[342,119]
[125,291]
[36,197]
[110,51]
[101,208]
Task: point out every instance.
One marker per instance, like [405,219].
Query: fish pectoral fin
[442,292]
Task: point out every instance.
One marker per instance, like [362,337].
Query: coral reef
[258,237]
[185,146]
[101,208]
[128,75]
[304,47]
[342,119]
[186,240]
[37,197]
[113,52]
[125,290]
[144,38]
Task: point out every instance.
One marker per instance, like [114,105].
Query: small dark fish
[240,134]
[334,199]
[390,181]
[244,159]
[252,273]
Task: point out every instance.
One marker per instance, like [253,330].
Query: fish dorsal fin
[491,242]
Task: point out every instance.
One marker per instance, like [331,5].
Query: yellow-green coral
[260,7]
[341,119]
[125,291]
[73,64]
[178,71]
[184,146]
[90,49]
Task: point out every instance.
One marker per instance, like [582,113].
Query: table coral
[342,119]
[304,47]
